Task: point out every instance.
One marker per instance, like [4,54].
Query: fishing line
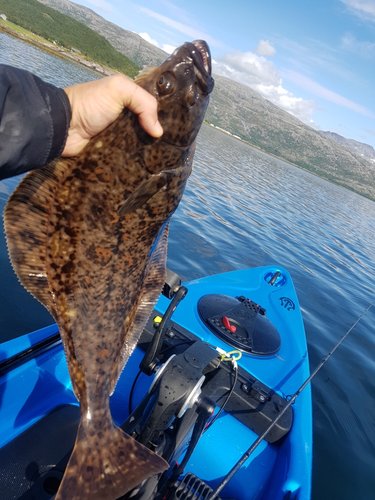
[227,398]
[131,393]
[290,402]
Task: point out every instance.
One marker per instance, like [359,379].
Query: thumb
[144,105]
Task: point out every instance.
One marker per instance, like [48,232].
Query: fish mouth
[204,53]
[201,56]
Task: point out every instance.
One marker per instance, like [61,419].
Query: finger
[143,104]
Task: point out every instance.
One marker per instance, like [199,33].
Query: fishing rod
[290,402]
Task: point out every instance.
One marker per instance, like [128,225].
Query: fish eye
[165,84]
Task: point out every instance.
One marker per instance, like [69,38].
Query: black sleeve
[34,121]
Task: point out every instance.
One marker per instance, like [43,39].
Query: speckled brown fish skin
[88,238]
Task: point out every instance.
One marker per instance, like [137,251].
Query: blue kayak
[226,361]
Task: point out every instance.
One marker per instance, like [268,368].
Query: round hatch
[240,322]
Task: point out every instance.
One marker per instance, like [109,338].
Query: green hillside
[66,31]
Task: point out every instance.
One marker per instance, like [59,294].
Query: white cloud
[365,9]
[164,46]
[253,69]
[360,47]
[261,75]
[265,48]
[181,27]
[297,106]
[168,48]
[148,38]
[327,94]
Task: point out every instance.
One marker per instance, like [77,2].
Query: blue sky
[314,58]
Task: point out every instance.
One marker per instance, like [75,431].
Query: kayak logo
[287,303]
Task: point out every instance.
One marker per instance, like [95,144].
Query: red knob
[227,324]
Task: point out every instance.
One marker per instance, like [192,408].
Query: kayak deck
[39,412]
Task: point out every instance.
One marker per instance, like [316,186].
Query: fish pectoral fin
[146,190]
[107,465]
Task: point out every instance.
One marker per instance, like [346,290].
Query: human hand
[97,104]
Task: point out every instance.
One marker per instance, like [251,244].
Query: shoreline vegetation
[52,48]
[63,35]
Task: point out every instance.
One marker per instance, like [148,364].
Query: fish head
[182,85]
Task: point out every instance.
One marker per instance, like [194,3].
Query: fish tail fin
[106,465]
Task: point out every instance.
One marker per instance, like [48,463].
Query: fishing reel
[174,413]
[174,397]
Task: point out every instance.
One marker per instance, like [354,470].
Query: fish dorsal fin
[151,286]
[26,221]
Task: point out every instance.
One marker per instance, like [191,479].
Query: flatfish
[87,237]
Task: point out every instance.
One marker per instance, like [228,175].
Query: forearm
[34,121]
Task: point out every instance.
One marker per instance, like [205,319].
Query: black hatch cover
[240,322]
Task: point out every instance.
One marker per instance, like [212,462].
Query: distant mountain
[359,148]
[245,113]
[131,44]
